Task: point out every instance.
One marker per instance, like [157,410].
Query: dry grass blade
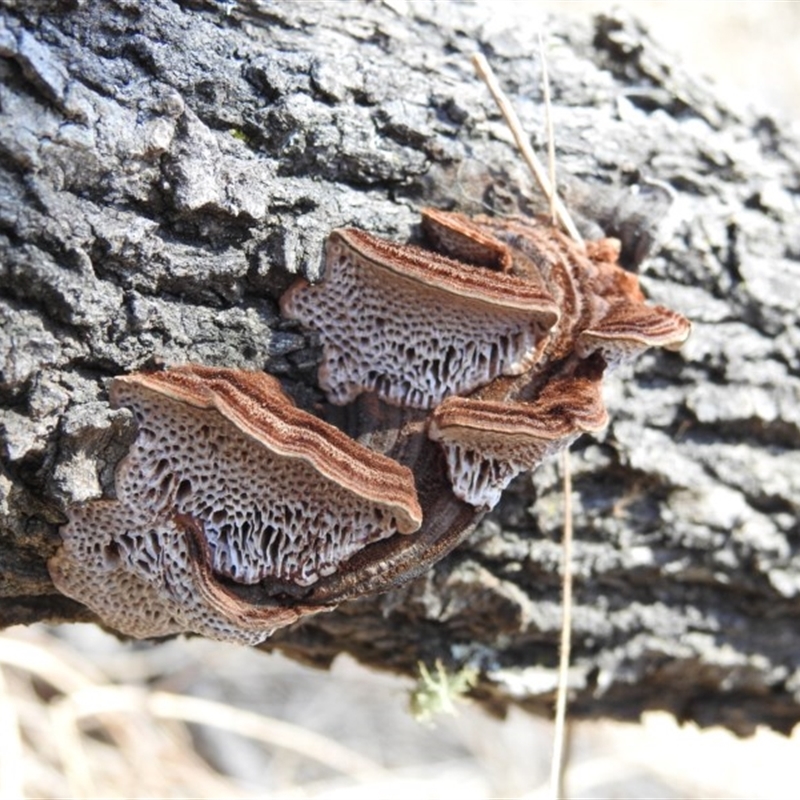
[102,700]
[11,752]
[487,75]
[559,734]
[46,663]
[269,731]
[560,215]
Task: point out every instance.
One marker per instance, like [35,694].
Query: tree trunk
[168,168]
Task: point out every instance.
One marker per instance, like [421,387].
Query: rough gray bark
[167,169]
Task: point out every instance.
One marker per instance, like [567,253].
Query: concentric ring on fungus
[224,469]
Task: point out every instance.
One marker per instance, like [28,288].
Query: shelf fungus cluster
[456,368]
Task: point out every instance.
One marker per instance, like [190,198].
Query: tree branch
[166,172]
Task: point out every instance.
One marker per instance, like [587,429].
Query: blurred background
[748,48]
[83,715]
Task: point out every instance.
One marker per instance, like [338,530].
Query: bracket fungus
[227,484]
[237,513]
[488,442]
[414,326]
[506,336]
[508,427]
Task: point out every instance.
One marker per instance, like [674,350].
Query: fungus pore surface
[414,326]
[226,482]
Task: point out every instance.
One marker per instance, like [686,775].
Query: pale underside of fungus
[226,482]
[237,513]
[414,326]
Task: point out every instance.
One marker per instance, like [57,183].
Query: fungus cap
[226,483]
[628,329]
[460,237]
[256,405]
[415,326]
[487,443]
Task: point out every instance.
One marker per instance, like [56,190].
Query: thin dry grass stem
[11,751]
[559,734]
[49,665]
[558,763]
[487,75]
[269,731]
[560,215]
[551,140]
